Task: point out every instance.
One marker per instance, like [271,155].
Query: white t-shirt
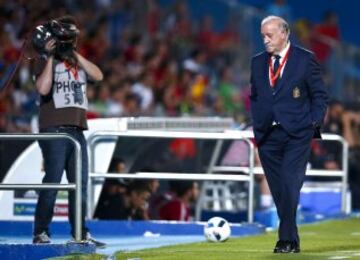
[69,89]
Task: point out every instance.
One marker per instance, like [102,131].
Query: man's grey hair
[284,26]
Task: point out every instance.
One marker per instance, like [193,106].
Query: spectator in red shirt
[175,205]
[206,36]
[153,17]
[326,36]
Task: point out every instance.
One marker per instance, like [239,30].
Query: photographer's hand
[90,68]
[50,47]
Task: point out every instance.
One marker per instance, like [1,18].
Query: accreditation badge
[296,92]
[68,91]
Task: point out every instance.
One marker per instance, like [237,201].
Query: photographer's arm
[43,83]
[90,68]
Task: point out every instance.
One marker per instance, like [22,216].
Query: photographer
[351,133]
[63,103]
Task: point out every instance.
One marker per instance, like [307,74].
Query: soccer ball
[217,229]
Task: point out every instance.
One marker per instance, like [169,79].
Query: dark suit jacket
[299,100]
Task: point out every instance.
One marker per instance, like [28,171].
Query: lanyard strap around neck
[73,70]
[274,75]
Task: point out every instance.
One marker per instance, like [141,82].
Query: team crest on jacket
[296,92]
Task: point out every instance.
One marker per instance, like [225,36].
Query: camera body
[64,34]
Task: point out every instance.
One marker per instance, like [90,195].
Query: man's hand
[316,125]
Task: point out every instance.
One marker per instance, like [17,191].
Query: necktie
[276,63]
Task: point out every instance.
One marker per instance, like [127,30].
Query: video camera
[64,33]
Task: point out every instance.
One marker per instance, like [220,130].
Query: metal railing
[71,186]
[101,136]
[311,172]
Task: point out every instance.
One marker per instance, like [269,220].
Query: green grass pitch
[336,239]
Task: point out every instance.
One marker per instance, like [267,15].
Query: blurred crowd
[158,61]
[155,60]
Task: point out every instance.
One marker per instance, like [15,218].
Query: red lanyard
[73,70]
[274,75]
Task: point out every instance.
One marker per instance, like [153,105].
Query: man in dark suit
[288,104]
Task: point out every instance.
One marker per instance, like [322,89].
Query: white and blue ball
[217,229]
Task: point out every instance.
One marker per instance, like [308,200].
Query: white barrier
[101,136]
[310,172]
[97,137]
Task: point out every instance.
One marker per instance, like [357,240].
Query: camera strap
[11,71]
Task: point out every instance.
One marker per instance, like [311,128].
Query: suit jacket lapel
[267,85]
[288,70]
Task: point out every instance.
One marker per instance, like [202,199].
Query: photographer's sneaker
[42,238]
[97,243]
[90,240]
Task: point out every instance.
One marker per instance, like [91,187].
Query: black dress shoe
[287,247]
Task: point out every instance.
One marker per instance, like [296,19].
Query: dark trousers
[284,159]
[59,155]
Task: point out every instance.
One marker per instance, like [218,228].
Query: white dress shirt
[282,55]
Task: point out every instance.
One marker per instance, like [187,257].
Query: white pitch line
[309,233]
[349,254]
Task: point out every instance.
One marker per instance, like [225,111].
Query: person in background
[351,133]
[238,155]
[131,205]
[112,188]
[326,36]
[176,203]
